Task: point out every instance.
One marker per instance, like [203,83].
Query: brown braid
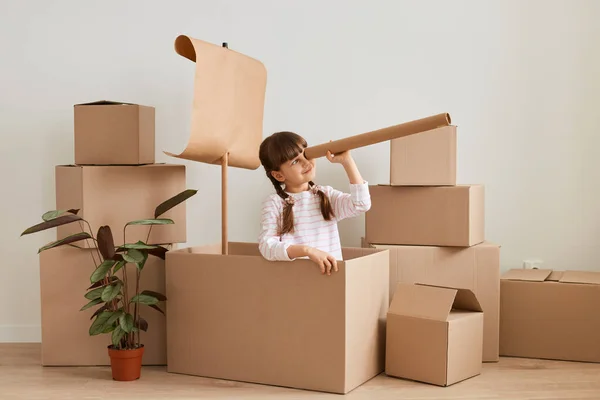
[287,219]
[326,208]
[275,150]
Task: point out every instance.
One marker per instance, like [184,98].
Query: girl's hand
[325,261]
[341,158]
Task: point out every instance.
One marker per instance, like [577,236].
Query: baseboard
[20,334]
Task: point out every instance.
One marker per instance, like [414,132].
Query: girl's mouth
[308,170]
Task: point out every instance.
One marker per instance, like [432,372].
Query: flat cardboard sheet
[228,105]
[378,136]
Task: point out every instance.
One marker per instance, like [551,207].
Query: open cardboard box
[550,314]
[240,317]
[113,133]
[434,334]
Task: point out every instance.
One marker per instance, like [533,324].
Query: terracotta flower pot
[126,365]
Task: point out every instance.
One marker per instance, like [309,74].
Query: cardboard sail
[381,135]
[228,105]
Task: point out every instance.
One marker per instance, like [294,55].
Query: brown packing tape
[228,105]
[378,136]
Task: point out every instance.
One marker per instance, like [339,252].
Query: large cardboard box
[240,317]
[434,334]
[424,159]
[64,278]
[476,268]
[550,314]
[115,195]
[112,133]
[433,215]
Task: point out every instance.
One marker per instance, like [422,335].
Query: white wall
[520,79]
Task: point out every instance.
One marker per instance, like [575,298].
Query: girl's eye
[294,162]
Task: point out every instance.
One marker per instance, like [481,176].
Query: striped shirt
[310,228]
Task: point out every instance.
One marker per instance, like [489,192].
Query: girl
[300,220]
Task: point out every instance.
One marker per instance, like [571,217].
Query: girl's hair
[275,150]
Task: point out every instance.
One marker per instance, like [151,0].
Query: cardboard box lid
[542,275]
[431,302]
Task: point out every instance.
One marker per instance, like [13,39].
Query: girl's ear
[278,175]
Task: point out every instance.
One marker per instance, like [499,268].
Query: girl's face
[296,172]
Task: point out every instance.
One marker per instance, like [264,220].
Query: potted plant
[118,311]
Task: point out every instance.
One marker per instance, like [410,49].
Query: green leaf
[98,325]
[140,265]
[159,221]
[159,252]
[69,239]
[157,308]
[55,213]
[142,324]
[91,304]
[102,270]
[118,266]
[101,309]
[138,246]
[114,317]
[109,328]
[173,201]
[112,291]
[144,299]
[94,294]
[159,296]
[126,322]
[65,219]
[106,245]
[117,335]
[111,280]
[133,256]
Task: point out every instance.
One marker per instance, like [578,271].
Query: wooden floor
[22,377]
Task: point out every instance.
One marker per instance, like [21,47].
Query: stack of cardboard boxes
[114,180]
[442,271]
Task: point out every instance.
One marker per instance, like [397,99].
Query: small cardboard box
[550,314]
[115,195]
[434,334]
[425,159]
[112,133]
[476,268]
[64,278]
[240,317]
[434,215]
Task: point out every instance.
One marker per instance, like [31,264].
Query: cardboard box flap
[586,277]
[104,103]
[466,300]
[555,276]
[422,301]
[532,275]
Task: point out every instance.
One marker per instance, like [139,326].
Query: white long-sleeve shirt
[310,228]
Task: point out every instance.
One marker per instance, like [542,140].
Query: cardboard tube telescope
[378,136]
